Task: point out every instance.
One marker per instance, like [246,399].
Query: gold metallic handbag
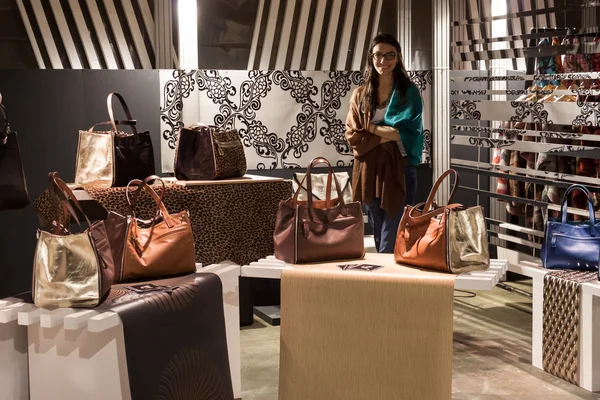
[450,238]
[113,158]
[71,269]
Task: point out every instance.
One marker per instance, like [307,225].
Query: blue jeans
[385,227]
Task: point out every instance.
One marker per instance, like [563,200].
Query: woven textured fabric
[560,332]
[357,335]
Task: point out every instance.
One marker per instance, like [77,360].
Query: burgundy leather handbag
[306,232]
[13,187]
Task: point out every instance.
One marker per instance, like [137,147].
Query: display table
[271,268]
[81,353]
[71,329]
[232,219]
[589,319]
[354,334]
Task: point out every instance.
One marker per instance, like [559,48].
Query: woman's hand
[385,132]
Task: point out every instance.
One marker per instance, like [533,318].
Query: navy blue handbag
[572,245]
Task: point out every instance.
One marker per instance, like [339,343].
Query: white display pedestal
[90,345]
[271,268]
[589,318]
[14,376]
[79,354]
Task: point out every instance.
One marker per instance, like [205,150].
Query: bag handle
[128,122]
[160,208]
[317,161]
[6,131]
[436,186]
[327,189]
[125,108]
[65,196]
[158,200]
[563,207]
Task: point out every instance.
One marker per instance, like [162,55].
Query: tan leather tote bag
[165,248]
[305,232]
[450,238]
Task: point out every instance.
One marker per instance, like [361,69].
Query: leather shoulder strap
[436,186]
[6,131]
[111,113]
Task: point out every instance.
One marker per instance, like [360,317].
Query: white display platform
[80,354]
[90,344]
[14,376]
[271,268]
[589,318]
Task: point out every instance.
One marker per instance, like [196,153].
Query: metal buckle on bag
[305,228]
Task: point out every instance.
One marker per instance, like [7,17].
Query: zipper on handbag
[227,145]
[563,235]
[172,231]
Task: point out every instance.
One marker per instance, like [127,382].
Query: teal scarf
[407,118]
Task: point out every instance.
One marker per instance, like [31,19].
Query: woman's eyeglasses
[380,56]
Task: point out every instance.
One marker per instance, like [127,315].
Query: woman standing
[384,127]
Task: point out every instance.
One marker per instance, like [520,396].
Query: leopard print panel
[47,209]
[230,221]
[228,151]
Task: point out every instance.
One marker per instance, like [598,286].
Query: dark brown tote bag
[306,232]
[208,152]
[13,187]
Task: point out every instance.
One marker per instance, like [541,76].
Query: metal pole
[441,95]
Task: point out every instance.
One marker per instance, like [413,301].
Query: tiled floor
[492,353]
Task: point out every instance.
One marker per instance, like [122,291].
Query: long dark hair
[369,92]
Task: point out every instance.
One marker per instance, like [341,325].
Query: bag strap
[111,114]
[301,186]
[158,199]
[6,131]
[563,207]
[60,190]
[436,186]
[160,207]
[131,123]
[330,175]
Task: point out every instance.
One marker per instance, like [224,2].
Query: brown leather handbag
[449,238]
[163,249]
[71,269]
[305,232]
[207,152]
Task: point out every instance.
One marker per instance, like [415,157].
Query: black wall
[48,108]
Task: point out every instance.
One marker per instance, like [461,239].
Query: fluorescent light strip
[188,34]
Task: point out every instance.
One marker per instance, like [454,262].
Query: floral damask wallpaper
[285,118]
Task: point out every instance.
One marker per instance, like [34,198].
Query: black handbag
[13,187]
